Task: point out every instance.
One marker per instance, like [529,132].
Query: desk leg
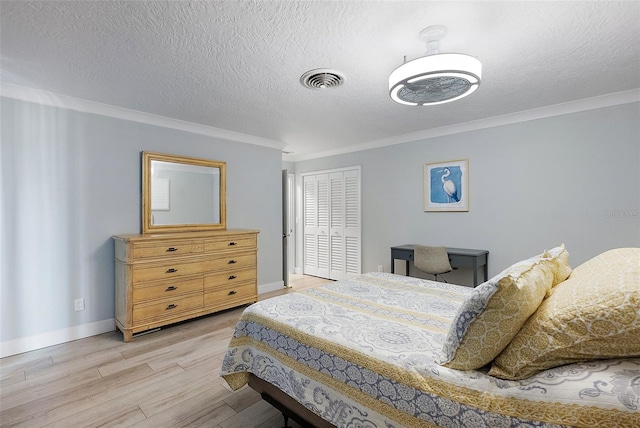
[393,264]
[407,268]
[475,271]
[486,269]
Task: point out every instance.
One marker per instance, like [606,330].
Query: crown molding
[38,96]
[608,100]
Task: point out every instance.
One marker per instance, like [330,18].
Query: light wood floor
[165,379]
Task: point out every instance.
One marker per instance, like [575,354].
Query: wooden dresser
[166,278]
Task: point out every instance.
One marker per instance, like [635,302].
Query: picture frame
[446,186]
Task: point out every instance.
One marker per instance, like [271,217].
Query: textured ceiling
[236,65]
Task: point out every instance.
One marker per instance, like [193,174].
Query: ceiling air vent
[322,78]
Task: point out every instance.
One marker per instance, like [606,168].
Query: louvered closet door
[336,226]
[332,224]
[352,238]
[316,225]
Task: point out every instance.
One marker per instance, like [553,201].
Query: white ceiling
[236,65]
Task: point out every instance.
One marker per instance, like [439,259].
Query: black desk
[458,257]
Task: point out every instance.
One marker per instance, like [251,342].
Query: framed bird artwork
[446,186]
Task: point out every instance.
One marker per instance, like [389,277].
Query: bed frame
[289,407]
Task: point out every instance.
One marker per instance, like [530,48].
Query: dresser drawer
[232,261]
[152,272]
[239,243]
[165,289]
[245,293]
[147,250]
[167,308]
[227,279]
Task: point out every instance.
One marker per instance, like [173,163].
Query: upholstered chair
[432,260]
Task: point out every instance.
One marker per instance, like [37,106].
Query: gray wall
[289,166]
[570,179]
[71,180]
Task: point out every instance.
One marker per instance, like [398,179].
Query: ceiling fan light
[435,79]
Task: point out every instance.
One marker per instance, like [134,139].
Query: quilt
[362,352]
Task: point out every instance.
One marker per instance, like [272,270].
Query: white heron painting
[446,186]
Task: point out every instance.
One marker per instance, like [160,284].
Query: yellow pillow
[489,319]
[594,314]
[560,258]
[491,316]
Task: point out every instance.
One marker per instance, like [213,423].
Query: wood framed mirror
[182,194]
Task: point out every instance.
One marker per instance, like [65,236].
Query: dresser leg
[127,334]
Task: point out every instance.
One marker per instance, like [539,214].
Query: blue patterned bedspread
[361,352]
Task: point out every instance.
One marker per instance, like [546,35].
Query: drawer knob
[232,292]
[233,243]
[171,288]
[171,249]
[232,277]
[172,270]
[171,306]
[232,262]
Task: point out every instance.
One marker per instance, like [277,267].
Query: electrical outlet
[78,304]
[380,268]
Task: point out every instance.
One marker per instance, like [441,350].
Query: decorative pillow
[594,314]
[491,316]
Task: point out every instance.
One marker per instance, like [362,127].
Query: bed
[540,344]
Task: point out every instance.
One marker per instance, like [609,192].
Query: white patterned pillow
[594,314]
[489,319]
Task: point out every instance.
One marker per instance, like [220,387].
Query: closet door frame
[319,236]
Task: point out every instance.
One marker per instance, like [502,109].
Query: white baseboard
[26,344]
[272,286]
[38,341]
[297,270]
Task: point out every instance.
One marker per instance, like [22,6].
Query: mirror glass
[182,194]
